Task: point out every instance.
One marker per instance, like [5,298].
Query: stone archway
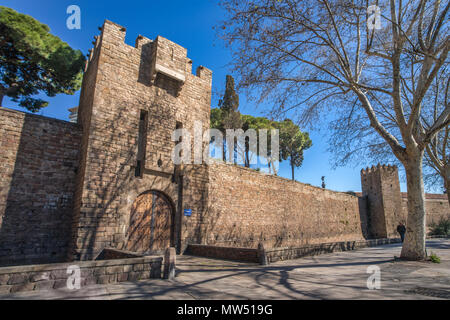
[151,223]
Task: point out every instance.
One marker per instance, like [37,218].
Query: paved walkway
[331,276]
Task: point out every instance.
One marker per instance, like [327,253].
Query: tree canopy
[229,105]
[32,60]
[230,100]
[292,140]
[259,123]
[292,144]
[227,116]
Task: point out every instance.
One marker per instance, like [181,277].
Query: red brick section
[38,164]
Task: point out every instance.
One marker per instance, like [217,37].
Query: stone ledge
[81,264]
[269,255]
[41,117]
[55,276]
[278,254]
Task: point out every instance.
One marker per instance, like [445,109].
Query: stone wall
[387,206]
[277,254]
[263,255]
[436,206]
[38,164]
[247,207]
[54,276]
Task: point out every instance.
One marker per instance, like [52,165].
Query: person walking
[402,230]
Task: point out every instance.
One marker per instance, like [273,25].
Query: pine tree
[292,144]
[32,61]
[231,117]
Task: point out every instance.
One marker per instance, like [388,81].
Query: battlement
[378,168]
[166,57]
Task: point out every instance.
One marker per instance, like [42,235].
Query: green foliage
[231,118]
[216,121]
[32,60]
[441,228]
[258,123]
[227,115]
[292,143]
[230,101]
[434,258]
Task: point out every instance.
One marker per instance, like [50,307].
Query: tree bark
[414,244]
[447,191]
[292,168]
[1,99]
[446,177]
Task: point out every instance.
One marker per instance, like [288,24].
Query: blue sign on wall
[187,212]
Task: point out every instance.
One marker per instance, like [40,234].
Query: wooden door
[151,220]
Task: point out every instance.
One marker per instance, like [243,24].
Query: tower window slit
[142,143]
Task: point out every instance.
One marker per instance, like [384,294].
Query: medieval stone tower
[132,99]
[381,187]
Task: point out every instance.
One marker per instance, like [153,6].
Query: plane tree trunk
[414,244]
[447,181]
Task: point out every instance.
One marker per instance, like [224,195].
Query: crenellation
[113,32]
[142,41]
[204,73]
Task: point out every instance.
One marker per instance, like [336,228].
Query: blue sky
[190,24]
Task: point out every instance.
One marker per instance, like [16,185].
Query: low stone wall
[264,256]
[54,276]
[278,254]
[226,253]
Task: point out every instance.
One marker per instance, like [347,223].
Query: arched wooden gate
[151,223]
